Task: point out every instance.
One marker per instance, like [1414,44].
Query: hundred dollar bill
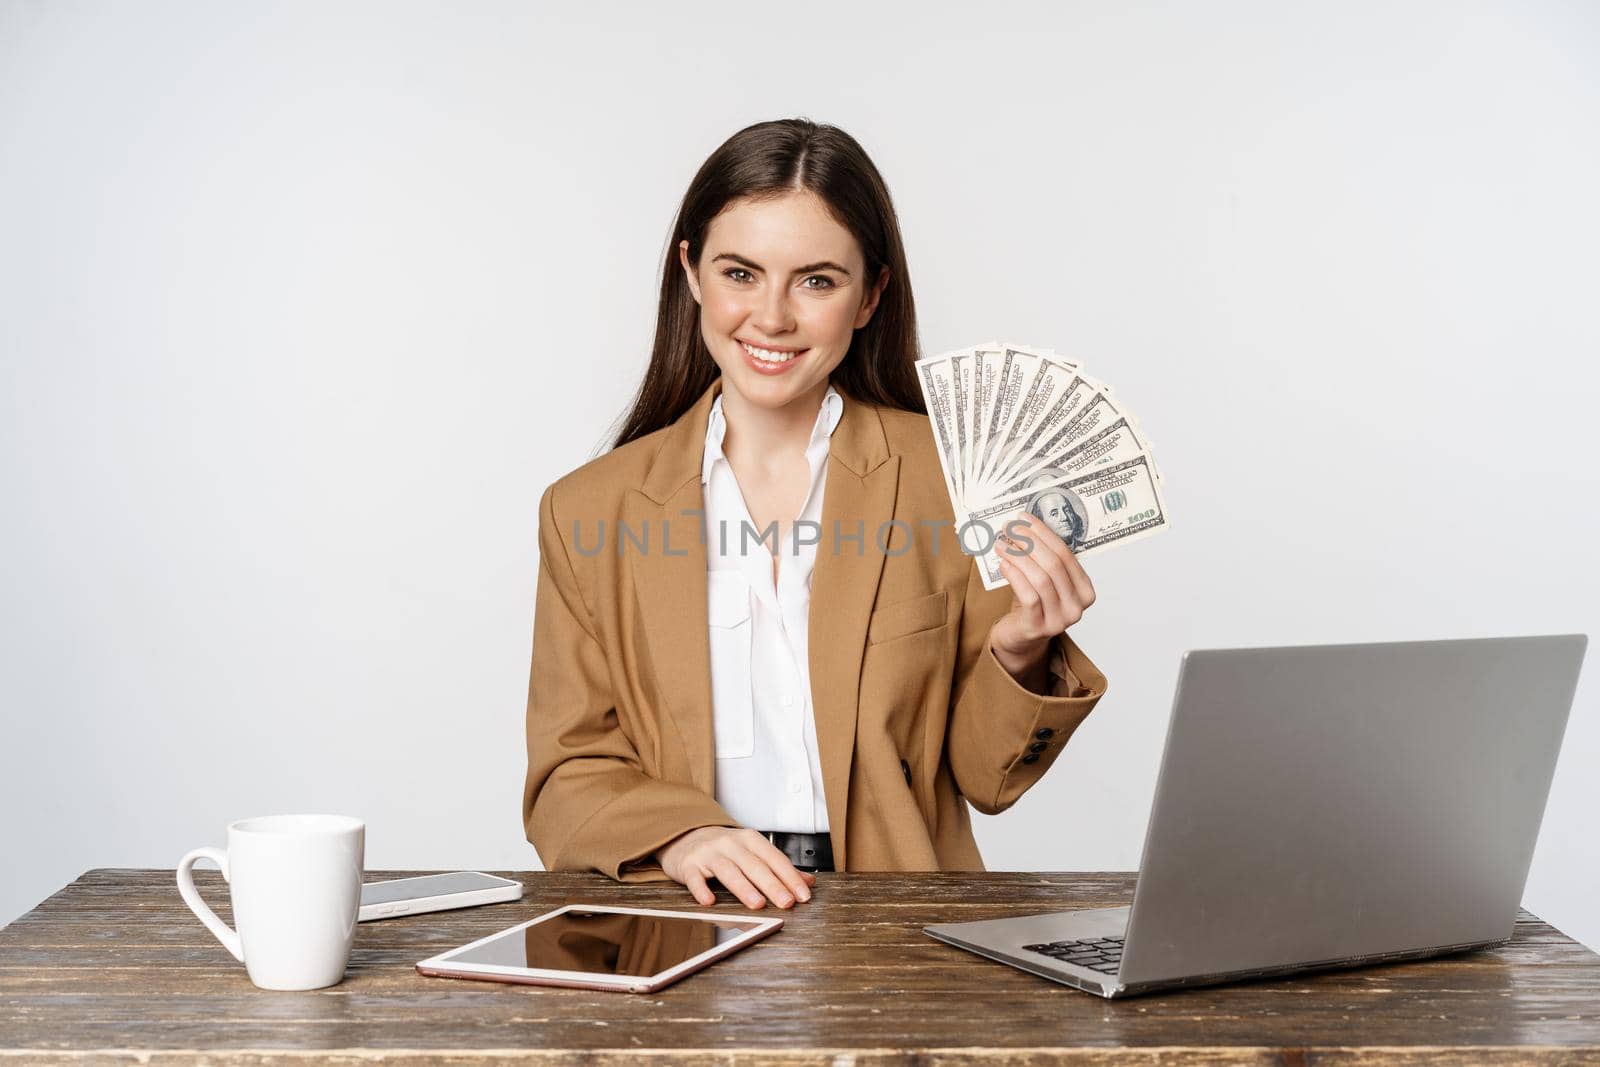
[1113,444]
[1034,397]
[1013,368]
[1098,412]
[933,374]
[1063,393]
[1107,506]
[1048,354]
[1022,397]
[961,407]
[986,360]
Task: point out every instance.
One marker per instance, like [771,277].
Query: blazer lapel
[672,588]
[859,498]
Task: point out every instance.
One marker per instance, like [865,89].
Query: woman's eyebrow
[826,264]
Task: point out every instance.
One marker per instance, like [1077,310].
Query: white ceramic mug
[295,883]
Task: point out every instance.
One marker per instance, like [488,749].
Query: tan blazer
[913,711]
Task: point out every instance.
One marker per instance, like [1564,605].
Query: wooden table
[114,968]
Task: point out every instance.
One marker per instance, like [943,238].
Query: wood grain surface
[114,968]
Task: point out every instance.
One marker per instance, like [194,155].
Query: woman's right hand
[745,862]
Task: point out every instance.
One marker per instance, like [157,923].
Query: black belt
[808,852]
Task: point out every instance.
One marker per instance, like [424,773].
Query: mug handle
[191,896]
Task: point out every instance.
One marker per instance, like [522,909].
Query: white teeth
[768,356]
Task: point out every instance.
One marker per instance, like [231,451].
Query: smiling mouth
[772,355]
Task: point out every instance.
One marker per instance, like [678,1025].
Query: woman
[759,651]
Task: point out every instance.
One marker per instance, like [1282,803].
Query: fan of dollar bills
[1022,429]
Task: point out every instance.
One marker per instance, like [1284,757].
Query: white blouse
[768,772]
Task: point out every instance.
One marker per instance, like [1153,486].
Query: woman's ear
[688,271]
[873,296]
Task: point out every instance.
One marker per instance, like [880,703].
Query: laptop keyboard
[1103,954]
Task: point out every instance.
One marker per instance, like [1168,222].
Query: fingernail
[804,895]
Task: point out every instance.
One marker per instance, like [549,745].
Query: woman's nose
[773,316]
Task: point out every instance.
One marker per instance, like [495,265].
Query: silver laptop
[1323,806]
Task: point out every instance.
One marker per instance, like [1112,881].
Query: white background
[301,307]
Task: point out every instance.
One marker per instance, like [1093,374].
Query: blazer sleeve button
[906,769]
[1045,733]
[1032,757]
[1038,746]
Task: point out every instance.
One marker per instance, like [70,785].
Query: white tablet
[632,950]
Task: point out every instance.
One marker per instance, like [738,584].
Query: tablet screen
[600,942]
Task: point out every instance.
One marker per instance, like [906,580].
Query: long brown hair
[764,160]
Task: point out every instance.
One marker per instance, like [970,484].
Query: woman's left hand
[1051,592]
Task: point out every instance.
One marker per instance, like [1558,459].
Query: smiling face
[781,293]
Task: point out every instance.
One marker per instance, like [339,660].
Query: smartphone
[434,892]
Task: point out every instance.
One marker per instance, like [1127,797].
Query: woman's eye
[731,271]
[827,283]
